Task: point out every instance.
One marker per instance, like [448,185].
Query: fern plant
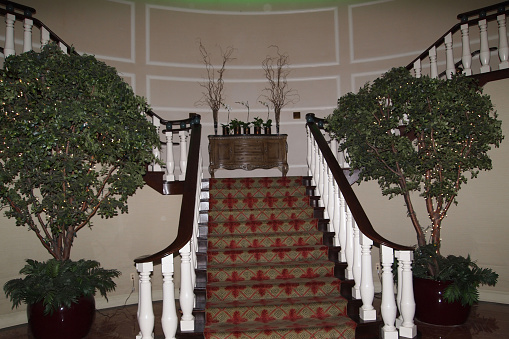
[465,274]
[59,283]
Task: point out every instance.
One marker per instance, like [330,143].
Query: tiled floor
[487,320]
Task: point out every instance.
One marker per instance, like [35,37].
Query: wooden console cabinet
[248,152]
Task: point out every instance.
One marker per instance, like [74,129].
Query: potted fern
[74,144]
[424,136]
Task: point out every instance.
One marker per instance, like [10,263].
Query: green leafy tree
[74,142]
[418,135]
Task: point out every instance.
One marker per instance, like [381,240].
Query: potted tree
[421,135]
[213,86]
[74,144]
[278,92]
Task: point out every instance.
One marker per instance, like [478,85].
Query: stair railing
[185,244]
[355,235]
[17,14]
[478,18]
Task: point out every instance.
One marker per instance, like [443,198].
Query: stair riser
[266,255]
[275,215]
[245,314]
[305,270]
[259,192]
[275,240]
[262,227]
[251,203]
[262,290]
[255,182]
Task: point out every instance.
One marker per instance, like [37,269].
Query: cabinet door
[275,151]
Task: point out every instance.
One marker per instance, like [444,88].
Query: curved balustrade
[17,13]
[185,244]
[480,18]
[354,233]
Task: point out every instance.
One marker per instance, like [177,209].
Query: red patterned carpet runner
[268,273]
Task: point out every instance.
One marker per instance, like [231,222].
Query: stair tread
[296,327]
[309,301]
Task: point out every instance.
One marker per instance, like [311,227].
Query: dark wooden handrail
[27,14]
[12,7]
[358,213]
[473,21]
[500,7]
[187,212]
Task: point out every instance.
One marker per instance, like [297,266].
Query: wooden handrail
[187,212]
[358,213]
[482,11]
[13,6]
[456,27]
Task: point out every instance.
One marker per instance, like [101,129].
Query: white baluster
[44,36]
[367,311]
[9,34]
[312,166]
[186,289]
[503,49]
[332,199]
[399,320]
[27,34]
[157,123]
[310,151]
[388,307]
[342,227]
[169,319]
[317,173]
[321,176]
[325,196]
[336,217]
[466,58]
[183,154]
[170,158]
[349,243]
[417,68]
[357,262]
[450,69]
[407,328]
[62,47]
[484,55]
[145,310]
[433,62]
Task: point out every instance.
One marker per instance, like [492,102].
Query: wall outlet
[132,276]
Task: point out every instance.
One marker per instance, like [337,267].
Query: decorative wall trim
[148,8]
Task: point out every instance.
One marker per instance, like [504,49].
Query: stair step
[259,192]
[252,203]
[273,270]
[272,214]
[267,254]
[250,310]
[254,240]
[216,183]
[291,327]
[262,227]
[276,288]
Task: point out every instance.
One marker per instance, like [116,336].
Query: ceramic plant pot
[65,323]
[431,307]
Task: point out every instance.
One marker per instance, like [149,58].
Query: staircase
[268,268]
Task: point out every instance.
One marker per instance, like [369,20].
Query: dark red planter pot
[431,307]
[66,323]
